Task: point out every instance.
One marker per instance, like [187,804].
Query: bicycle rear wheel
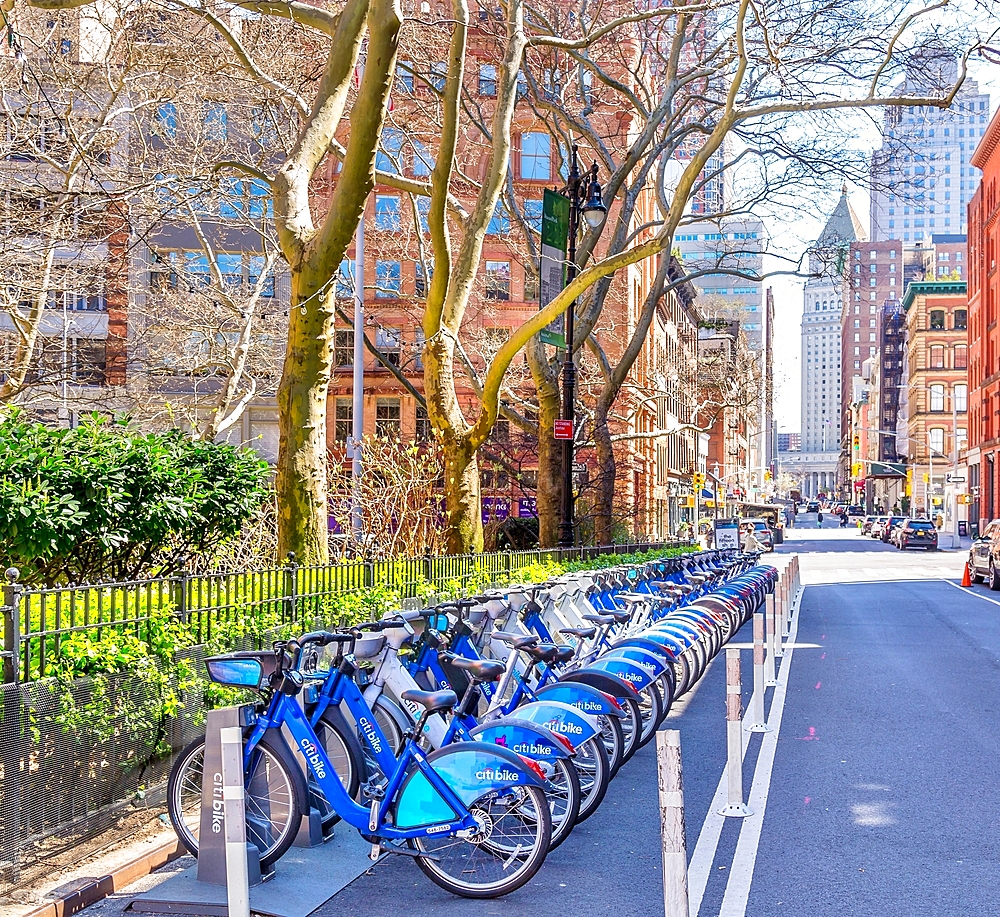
[516,829]
[594,769]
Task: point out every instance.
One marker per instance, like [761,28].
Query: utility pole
[358,411]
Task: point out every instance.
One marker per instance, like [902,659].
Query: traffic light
[767,475]
[698,480]
[857,441]
[856,470]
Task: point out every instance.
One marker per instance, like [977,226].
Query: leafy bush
[102,502]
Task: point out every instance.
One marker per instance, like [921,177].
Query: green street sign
[555,237]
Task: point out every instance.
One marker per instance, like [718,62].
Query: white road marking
[968,591]
[734,904]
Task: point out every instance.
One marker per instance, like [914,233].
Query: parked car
[812,507]
[866,524]
[875,529]
[984,556]
[889,525]
[917,533]
[855,510]
[761,531]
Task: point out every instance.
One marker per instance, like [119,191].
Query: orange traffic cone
[966,579]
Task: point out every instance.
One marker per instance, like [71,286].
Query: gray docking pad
[304,878]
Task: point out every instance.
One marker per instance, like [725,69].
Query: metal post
[13,748]
[672,834]
[769,674]
[237,873]
[759,725]
[566,525]
[358,410]
[734,736]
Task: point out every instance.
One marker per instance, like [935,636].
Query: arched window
[936,357]
[961,357]
[961,319]
[935,436]
[937,397]
[937,320]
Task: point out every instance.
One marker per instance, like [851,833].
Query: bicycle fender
[654,663]
[583,697]
[603,681]
[562,719]
[471,770]
[523,737]
[658,643]
[630,671]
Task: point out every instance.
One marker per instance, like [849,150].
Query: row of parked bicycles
[473,736]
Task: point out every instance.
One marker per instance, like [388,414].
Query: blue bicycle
[473,815]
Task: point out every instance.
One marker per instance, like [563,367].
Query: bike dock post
[672,833]
[237,874]
[734,736]
[770,638]
[759,725]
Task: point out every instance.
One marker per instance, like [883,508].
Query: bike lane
[882,797]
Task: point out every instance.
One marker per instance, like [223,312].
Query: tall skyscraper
[922,178]
[821,349]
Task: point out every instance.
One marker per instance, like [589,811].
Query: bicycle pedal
[375,852]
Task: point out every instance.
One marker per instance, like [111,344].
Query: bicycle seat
[622,616]
[564,653]
[599,619]
[544,652]
[479,669]
[584,633]
[431,701]
[635,598]
[518,641]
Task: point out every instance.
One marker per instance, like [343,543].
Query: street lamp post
[593,210]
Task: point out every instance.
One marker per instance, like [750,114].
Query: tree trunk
[462,500]
[604,492]
[548,495]
[302,406]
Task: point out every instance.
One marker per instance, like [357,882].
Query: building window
[404,76]
[388,341]
[530,285]
[937,320]
[936,357]
[343,423]
[961,357]
[343,347]
[387,421]
[387,214]
[961,395]
[936,437]
[500,221]
[422,428]
[937,397]
[387,279]
[216,122]
[498,280]
[487,80]
[166,120]
[420,279]
[345,280]
[961,319]
[536,156]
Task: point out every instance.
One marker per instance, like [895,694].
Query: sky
[787,238]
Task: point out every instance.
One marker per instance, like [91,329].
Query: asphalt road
[881,801]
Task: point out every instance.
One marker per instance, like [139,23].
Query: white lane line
[700,867]
[967,591]
[734,904]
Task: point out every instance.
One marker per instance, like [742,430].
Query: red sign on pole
[562,429]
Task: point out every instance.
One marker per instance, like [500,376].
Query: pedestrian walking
[819,520]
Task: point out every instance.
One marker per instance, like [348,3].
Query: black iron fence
[80,754]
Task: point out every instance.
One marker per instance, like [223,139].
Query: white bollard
[769,674]
[672,834]
[237,877]
[779,624]
[758,675]
[734,736]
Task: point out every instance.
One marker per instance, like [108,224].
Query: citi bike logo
[312,756]
[489,773]
[370,734]
[564,726]
[589,705]
[218,809]
[533,748]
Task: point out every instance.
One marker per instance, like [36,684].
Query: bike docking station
[227,881]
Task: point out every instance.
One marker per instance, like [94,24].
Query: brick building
[984,334]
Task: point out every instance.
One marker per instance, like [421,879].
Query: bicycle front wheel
[514,836]
[275,793]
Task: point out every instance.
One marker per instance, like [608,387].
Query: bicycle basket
[245,669]
[369,646]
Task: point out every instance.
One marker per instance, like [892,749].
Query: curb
[98,889]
